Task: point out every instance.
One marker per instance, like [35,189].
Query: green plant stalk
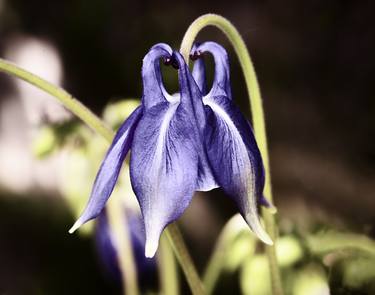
[96,124]
[168,274]
[214,266]
[119,227]
[257,115]
[72,104]
[216,261]
[185,260]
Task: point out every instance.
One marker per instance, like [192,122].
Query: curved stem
[95,123]
[72,104]
[257,115]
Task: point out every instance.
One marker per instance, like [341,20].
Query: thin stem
[96,124]
[117,221]
[72,104]
[173,233]
[257,114]
[168,274]
[215,265]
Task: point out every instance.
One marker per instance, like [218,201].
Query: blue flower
[107,247]
[229,140]
[193,140]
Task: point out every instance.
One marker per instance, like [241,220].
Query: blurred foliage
[312,262]
[311,280]
[53,136]
[289,251]
[255,278]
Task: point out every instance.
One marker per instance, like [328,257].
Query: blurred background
[316,67]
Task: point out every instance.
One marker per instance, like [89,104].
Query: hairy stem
[257,114]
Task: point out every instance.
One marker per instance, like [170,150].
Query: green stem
[168,275]
[257,114]
[119,227]
[72,104]
[95,123]
[173,233]
[215,265]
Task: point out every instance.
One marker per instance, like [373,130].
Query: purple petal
[206,180]
[110,169]
[221,82]
[231,146]
[164,160]
[153,88]
[199,70]
[236,160]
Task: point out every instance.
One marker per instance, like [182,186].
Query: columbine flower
[107,247]
[229,140]
[180,144]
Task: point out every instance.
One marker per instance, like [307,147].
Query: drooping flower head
[167,147]
[229,140]
[193,140]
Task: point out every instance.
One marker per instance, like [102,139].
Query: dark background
[315,64]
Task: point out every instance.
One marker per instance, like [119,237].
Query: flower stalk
[215,264]
[183,256]
[168,274]
[257,115]
[96,124]
[125,250]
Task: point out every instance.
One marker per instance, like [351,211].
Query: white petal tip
[75,226]
[267,240]
[151,248]
[263,236]
[257,228]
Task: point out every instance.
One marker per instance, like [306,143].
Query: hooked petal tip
[257,228]
[267,240]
